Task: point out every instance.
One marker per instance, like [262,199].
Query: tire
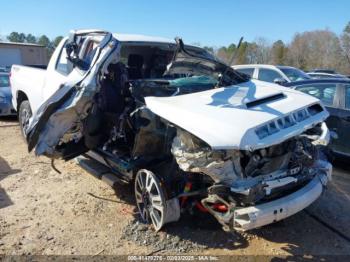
[24,114]
[150,198]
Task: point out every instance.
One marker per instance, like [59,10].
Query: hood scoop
[264,100]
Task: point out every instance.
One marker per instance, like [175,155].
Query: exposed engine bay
[196,136]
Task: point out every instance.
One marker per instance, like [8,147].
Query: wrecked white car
[190,132]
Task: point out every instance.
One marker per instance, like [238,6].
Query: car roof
[260,66]
[142,38]
[320,70]
[318,81]
[323,74]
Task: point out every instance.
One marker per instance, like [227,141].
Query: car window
[324,92]
[63,65]
[4,81]
[247,71]
[294,74]
[268,75]
[347,97]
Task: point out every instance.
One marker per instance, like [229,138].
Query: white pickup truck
[190,132]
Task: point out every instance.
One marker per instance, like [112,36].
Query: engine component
[223,215]
[191,156]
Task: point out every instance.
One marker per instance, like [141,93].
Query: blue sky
[214,22]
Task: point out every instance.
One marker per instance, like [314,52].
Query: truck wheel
[24,115]
[150,198]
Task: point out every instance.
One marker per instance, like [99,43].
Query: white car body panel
[260,215]
[220,118]
[256,68]
[33,90]
[141,38]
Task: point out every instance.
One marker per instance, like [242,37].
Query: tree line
[40,40]
[307,50]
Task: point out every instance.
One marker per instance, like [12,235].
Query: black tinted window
[268,75]
[247,71]
[324,92]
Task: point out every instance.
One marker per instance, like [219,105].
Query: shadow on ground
[5,170]
[8,121]
[298,235]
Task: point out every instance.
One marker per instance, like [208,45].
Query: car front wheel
[24,115]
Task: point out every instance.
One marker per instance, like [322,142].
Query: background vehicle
[335,95]
[6,108]
[326,71]
[321,75]
[271,73]
[191,132]
[5,69]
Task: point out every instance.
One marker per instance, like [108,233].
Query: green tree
[210,49]
[56,41]
[44,40]
[278,52]
[241,56]
[16,37]
[30,39]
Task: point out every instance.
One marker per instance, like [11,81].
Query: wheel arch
[21,96]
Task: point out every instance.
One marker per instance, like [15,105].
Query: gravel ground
[43,212]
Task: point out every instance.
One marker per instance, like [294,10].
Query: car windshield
[4,81]
[294,74]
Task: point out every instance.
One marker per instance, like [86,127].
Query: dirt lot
[43,212]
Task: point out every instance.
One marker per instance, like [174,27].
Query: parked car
[335,95]
[4,69]
[326,71]
[271,73]
[192,133]
[317,75]
[6,108]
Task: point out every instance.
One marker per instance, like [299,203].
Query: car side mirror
[279,81]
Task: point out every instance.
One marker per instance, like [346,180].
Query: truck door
[60,69]
[58,122]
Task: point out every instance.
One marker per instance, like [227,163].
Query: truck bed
[28,80]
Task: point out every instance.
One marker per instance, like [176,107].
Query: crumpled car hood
[228,118]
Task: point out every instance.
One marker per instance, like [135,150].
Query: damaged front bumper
[270,212]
